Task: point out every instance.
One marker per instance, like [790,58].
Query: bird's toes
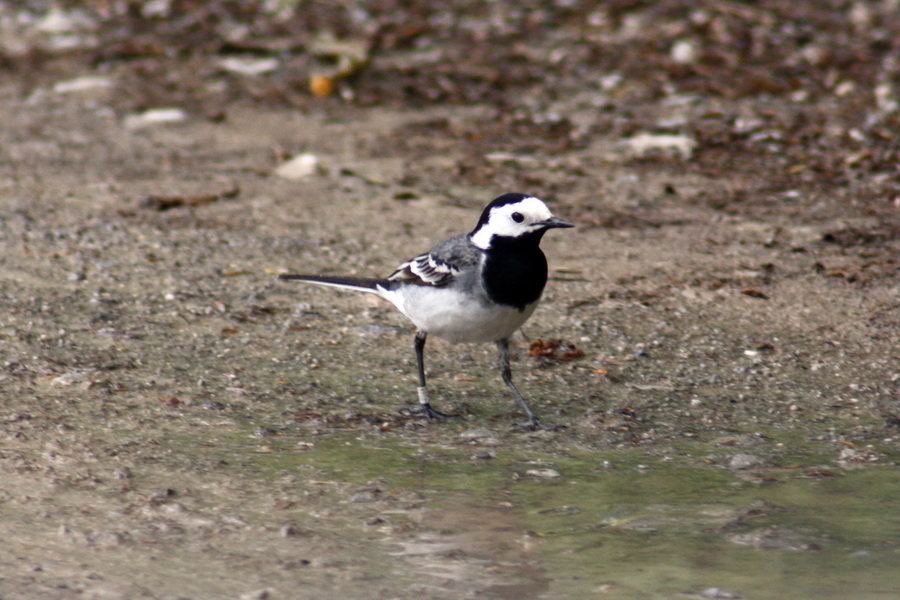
[430,413]
[535,424]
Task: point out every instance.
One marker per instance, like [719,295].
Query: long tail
[357,284]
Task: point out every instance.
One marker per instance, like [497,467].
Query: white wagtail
[475,287]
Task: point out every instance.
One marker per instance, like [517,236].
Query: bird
[475,287]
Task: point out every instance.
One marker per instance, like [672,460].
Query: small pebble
[644,143]
[475,434]
[249,66]
[71,378]
[298,167]
[154,116]
[719,593]
[543,473]
[745,461]
[265,432]
[683,52]
[366,496]
[82,84]
[773,538]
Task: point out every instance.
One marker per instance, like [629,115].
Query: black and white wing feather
[439,266]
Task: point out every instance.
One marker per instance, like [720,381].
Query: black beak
[553,222]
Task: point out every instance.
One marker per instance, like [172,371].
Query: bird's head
[514,216]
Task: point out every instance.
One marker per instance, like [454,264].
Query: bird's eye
[517,217]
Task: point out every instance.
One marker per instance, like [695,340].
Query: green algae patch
[558,521]
[640,528]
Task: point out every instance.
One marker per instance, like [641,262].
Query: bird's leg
[424,405]
[506,373]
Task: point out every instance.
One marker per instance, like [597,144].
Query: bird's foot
[429,413]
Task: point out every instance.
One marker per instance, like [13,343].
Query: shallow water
[626,524]
[670,530]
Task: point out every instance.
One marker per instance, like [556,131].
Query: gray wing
[440,265]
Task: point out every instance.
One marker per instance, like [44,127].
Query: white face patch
[512,220]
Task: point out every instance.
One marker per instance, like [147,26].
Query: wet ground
[718,338]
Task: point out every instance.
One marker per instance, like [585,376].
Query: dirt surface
[177,423]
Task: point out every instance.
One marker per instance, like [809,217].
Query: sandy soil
[732,172]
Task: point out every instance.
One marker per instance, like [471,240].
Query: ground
[717,341]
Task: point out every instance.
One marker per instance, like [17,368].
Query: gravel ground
[169,407]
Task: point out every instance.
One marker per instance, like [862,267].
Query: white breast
[457,317]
